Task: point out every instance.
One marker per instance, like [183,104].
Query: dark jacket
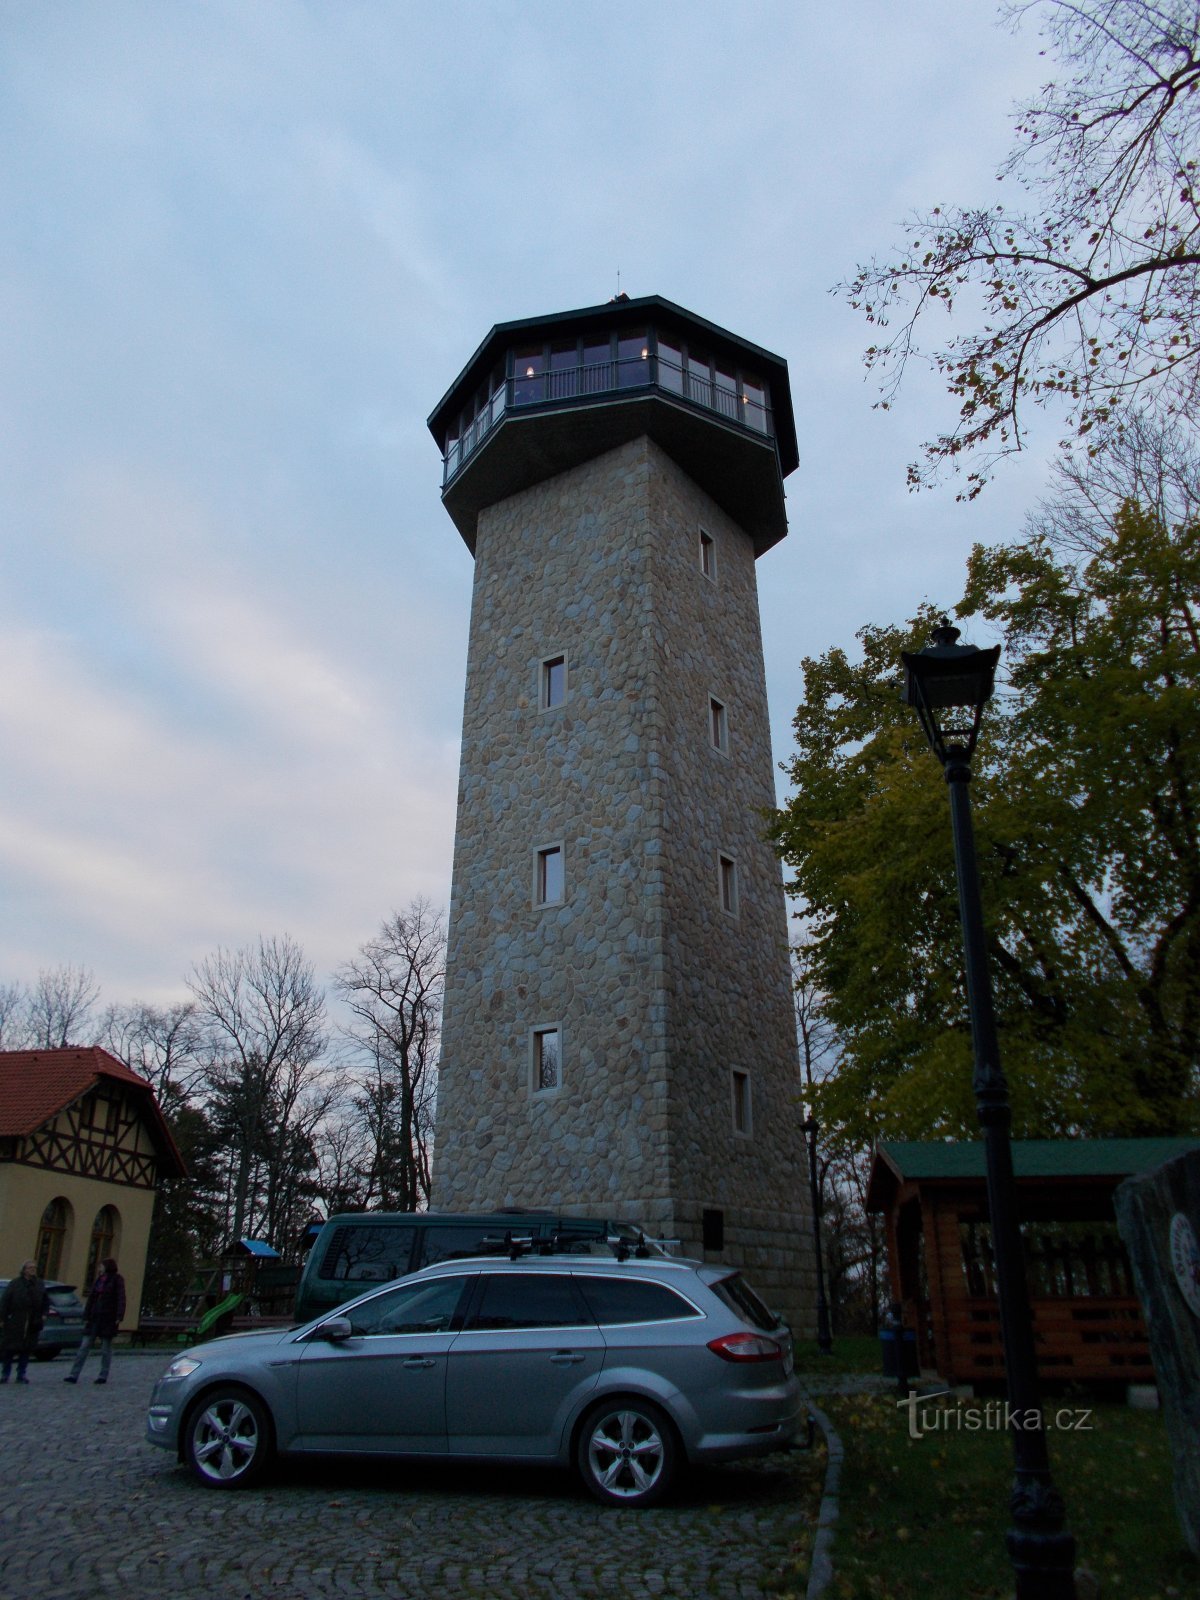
[105,1306]
[21,1314]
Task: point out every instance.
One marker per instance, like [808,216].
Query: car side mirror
[335,1330]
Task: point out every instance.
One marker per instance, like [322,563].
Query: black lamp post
[949,684]
[824,1342]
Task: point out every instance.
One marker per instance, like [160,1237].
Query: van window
[442,1242]
[363,1253]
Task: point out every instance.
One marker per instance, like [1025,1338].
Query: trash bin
[898,1348]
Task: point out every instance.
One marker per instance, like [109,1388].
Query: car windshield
[742,1300]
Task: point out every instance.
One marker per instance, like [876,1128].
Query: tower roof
[543,394]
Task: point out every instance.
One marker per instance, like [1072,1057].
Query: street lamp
[824,1342]
[949,684]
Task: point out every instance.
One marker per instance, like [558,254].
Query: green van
[355,1250]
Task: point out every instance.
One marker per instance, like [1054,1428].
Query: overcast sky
[245,246]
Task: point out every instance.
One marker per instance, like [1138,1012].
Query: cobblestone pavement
[88,1509]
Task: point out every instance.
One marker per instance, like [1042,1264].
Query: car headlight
[181,1367]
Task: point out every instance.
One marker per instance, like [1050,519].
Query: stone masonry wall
[657,991]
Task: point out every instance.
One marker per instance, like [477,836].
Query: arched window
[102,1243]
[51,1237]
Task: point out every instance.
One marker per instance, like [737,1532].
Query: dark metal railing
[526,388]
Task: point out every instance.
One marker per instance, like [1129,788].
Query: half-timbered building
[83,1147]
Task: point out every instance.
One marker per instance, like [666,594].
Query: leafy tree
[1090,291]
[1086,794]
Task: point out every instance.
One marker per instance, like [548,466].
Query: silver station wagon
[626,1369]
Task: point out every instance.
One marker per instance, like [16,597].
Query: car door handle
[566,1358]
[419,1361]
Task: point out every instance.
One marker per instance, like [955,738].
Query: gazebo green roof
[947,1160]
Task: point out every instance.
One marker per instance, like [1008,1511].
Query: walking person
[101,1319]
[22,1312]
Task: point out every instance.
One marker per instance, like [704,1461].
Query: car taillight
[746,1347]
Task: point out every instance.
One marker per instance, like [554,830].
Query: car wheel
[627,1455]
[227,1439]
[45,1355]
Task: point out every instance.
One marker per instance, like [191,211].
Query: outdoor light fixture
[949,684]
[824,1342]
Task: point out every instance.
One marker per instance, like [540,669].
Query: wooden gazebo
[1087,1321]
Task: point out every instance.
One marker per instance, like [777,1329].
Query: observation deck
[545,394]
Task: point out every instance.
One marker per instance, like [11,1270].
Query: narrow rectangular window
[708,555]
[547,1059]
[718,726]
[549,877]
[727,871]
[553,690]
[739,1084]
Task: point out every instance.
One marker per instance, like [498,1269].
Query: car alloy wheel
[627,1453]
[228,1439]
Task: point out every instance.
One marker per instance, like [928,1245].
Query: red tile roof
[35,1085]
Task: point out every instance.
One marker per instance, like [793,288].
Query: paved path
[89,1510]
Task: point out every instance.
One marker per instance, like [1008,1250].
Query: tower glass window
[597,366]
[670,366]
[708,554]
[727,883]
[739,1086]
[529,383]
[699,380]
[547,1059]
[718,726]
[564,370]
[633,359]
[725,393]
[552,690]
[754,405]
[549,877]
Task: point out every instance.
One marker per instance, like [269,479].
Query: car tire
[45,1355]
[627,1453]
[227,1438]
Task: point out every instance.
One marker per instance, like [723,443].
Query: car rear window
[528,1300]
[742,1300]
[65,1298]
[366,1253]
[618,1300]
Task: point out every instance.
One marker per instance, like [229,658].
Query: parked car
[63,1327]
[626,1369]
[355,1250]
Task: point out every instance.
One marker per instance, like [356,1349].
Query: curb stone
[820,1571]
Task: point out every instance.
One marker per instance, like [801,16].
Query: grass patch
[854,1353]
[924,1519]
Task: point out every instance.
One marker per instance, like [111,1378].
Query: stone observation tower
[618,1037]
